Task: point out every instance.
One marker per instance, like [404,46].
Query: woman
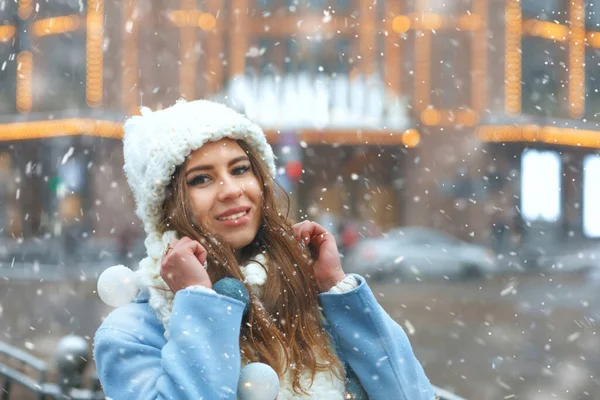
[202,178]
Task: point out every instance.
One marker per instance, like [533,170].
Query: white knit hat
[154,145]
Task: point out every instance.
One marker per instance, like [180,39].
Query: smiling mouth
[234,216]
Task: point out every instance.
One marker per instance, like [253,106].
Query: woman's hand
[183,265]
[327,268]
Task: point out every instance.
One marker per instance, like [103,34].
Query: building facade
[408,112]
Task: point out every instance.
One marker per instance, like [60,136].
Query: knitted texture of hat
[157,142]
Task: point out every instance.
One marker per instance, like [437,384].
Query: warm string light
[435,117]
[540,134]
[56,25]
[193,18]
[558,32]
[427,20]
[400,23]
[367,31]
[422,64]
[129,73]
[111,129]
[577,59]
[434,21]
[24,65]
[478,64]
[577,37]
[214,45]
[187,69]
[7,33]
[24,9]
[411,138]
[424,23]
[546,30]
[238,37]
[512,58]
[476,21]
[593,39]
[408,138]
[188,19]
[94,52]
[61,127]
[393,47]
[24,81]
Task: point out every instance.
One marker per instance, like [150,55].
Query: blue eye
[241,170]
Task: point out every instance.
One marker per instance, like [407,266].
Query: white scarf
[326,385]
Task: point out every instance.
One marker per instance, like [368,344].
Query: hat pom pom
[258,381]
[235,289]
[117,286]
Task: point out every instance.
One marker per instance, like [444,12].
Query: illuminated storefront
[348,87]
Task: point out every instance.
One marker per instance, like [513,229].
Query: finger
[169,248]
[296,231]
[320,239]
[184,240]
[199,252]
[311,229]
[302,232]
[314,233]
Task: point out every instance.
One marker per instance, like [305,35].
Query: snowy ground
[526,337]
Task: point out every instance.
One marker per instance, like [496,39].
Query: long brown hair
[284,329]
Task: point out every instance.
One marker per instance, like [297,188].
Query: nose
[230,189]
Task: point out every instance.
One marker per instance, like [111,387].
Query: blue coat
[201,360]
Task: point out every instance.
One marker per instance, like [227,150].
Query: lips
[233,217]
[235,220]
[233,213]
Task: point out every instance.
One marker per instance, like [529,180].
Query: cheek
[253,192]
[202,207]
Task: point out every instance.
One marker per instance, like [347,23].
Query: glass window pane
[591,196]
[264,4]
[547,10]
[8,10]
[450,7]
[592,94]
[592,11]
[47,9]
[540,185]
[59,72]
[322,56]
[541,77]
[452,70]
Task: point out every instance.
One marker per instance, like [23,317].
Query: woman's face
[225,194]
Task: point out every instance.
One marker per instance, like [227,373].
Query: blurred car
[574,258]
[416,253]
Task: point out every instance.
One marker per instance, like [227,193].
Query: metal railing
[72,358]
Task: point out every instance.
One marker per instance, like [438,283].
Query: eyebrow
[209,167]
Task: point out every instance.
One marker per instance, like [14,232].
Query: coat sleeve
[201,359]
[375,346]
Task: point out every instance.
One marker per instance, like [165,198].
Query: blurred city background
[451,146]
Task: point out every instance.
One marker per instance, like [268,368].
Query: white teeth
[234,216]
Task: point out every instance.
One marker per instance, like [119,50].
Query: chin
[241,239]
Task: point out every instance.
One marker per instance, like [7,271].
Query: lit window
[591,196]
[540,185]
